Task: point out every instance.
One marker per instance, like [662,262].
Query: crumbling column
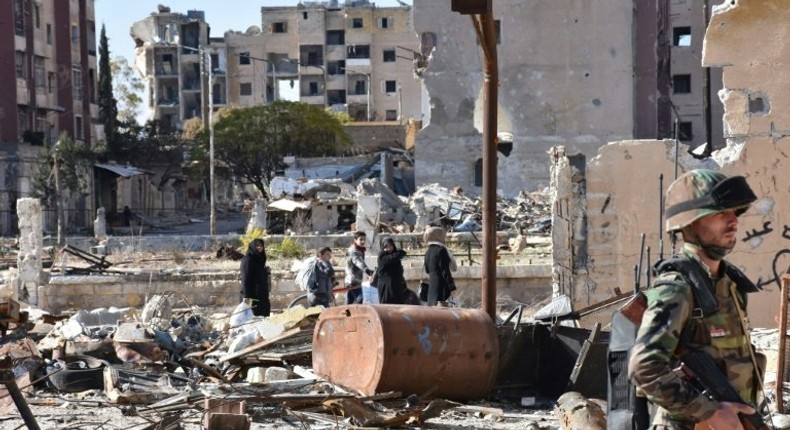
[258,218]
[368,209]
[387,170]
[31,244]
[423,217]
[100,225]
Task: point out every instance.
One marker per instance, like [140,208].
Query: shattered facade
[355,58]
[622,184]
[565,72]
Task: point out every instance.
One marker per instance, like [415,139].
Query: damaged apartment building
[356,58]
[605,204]
[571,74]
[48,80]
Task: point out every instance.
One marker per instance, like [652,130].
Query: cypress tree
[108,106]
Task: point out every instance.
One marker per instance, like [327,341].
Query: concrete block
[276,374]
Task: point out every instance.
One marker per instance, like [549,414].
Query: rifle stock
[705,372]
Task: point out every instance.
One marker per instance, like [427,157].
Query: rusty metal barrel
[450,353]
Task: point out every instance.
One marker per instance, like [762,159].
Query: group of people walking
[387,276]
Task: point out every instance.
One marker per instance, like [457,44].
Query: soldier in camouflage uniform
[703,206]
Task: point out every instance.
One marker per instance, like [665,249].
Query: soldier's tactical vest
[715,325]
[715,328]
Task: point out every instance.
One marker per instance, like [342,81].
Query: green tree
[250,143]
[108,106]
[75,160]
[127,89]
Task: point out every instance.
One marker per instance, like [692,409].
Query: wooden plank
[260,345]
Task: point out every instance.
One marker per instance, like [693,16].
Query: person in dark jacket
[389,278]
[255,278]
[321,292]
[439,262]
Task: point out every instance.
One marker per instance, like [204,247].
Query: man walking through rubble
[356,268]
[697,304]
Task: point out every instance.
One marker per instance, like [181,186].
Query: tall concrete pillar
[31,245]
[100,225]
[368,210]
[258,218]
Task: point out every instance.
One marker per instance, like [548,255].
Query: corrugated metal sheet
[125,171]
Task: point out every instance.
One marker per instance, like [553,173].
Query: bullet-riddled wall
[618,196]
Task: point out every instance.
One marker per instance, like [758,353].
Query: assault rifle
[703,371]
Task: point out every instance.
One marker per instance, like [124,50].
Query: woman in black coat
[255,278]
[389,278]
[439,262]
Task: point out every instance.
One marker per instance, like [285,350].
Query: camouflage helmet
[698,193]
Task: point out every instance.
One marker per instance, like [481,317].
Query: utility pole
[483,21]
[58,200]
[206,70]
[212,207]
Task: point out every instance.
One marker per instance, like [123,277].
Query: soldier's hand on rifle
[725,417]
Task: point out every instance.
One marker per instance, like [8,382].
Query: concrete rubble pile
[432,203]
[172,365]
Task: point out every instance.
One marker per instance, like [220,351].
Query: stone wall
[515,284]
[620,197]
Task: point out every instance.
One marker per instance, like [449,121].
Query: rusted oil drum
[450,353]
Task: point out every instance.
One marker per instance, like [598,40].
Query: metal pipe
[490,88]
[7,379]
[781,359]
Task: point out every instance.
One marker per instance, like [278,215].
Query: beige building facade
[356,58]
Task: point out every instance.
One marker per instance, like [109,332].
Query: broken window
[75,34]
[681,36]
[389,87]
[681,84]
[304,15]
[49,34]
[78,132]
[357,23]
[22,121]
[336,67]
[390,115]
[384,22]
[478,180]
[245,89]
[37,15]
[244,58]
[389,56]
[280,27]
[19,18]
[684,131]
[19,61]
[335,37]
[312,89]
[358,51]
[336,97]
[40,72]
[360,88]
